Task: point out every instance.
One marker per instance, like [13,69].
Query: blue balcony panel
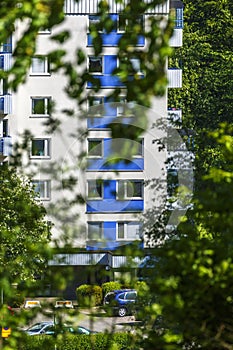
[114,206]
[5,146]
[109,230]
[99,122]
[102,164]
[112,39]
[107,81]
[110,189]
[103,122]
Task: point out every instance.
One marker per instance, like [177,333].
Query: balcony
[5,104]
[5,61]
[177,38]
[174,76]
[5,146]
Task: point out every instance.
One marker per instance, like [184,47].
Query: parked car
[122,302]
[49,328]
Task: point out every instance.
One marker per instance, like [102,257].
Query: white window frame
[126,225]
[92,192]
[43,65]
[126,194]
[45,194]
[47,146]
[126,23]
[96,108]
[132,59]
[100,141]
[47,103]
[100,233]
[102,64]
[140,154]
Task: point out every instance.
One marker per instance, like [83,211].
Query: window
[94,21]
[172,182]
[130,189]
[123,22]
[133,65]
[40,65]
[6,46]
[95,64]
[41,106]
[138,145]
[40,148]
[42,188]
[3,87]
[129,230]
[179,21]
[94,230]
[94,148]
[97,102]
[94,189]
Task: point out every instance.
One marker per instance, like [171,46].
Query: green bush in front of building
[101,341]
[110,286]
[89,295]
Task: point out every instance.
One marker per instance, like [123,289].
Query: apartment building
[115,192]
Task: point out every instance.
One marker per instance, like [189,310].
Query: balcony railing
[85,7]
[6,61]
[6,104]
[5,146]
[174,76]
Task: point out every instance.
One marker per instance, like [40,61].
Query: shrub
[88,295]
[100,341]
[110,286]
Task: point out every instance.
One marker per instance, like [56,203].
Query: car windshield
[36,327]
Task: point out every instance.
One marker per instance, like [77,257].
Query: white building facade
[115,193]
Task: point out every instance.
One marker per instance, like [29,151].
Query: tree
[25,232]
[206,94]
[192,279]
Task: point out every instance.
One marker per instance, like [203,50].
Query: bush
[110,286]
[88,295]
[100,341]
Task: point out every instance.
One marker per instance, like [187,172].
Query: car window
[130,296]
[49,329]
[109,297]
[82,330]
[36,327]
[121,296]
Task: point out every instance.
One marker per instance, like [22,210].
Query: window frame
[98,108]
[102,65]
[100,224]
[47,103]
[47,148]
[100,141]
[126,184]
[45,61]
[140,154]
[119,30]
[90,193]
[46,189]
[125,225]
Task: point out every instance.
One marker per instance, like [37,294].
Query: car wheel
[122,311]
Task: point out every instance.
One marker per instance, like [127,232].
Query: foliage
[110,286]
[89,295]
[24,229]
[115,341]
[206,93]
[193,279]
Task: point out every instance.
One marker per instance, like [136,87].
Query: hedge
[89,295]
[116,341]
